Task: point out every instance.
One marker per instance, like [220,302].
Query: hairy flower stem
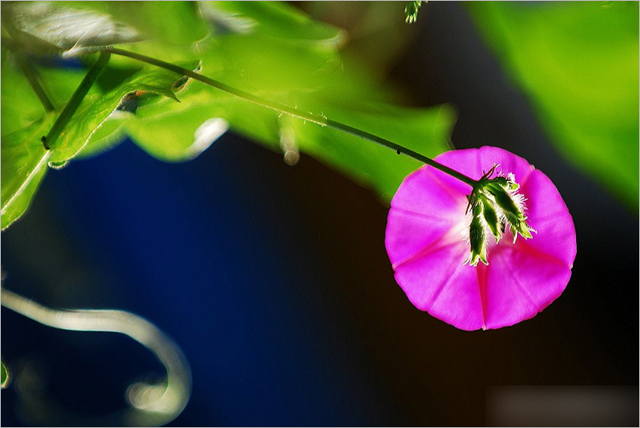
[77,97]
[317,119]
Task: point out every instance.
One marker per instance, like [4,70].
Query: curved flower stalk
[151,404]
[439,228]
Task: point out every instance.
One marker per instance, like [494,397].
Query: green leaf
[24,163]
[425,131]
[174,22]
[578,62]
[303,77]
[317,81]
[106,137]
[69,29]
[274,19]
[286,58]
[24,160]
[97,107]
[175,137]
[20,105]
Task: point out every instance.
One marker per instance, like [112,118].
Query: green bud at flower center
[494,204]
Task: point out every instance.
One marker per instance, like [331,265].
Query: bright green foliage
[273,19]
[24,160]
[173,22]
[24,163]
[267,49]
[423,130]
[20,105]
[47,27]
[96,108]
[578,62]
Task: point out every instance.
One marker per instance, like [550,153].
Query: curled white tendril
[151,404]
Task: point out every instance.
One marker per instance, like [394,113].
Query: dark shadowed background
[275,282]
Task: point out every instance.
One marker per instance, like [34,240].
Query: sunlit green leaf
[24,163]
[425,131]
[371,165]
[302,78]
[24,159]
[274,19]
[283,57]
[20,105]
[68,28]
[578,62]
[411,11]
[106,137]
[176,139]
[174,22]
[96,108]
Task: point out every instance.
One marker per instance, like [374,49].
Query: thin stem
[320,120]
[77,97]
[28,72]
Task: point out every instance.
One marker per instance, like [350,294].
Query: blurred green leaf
[275,19]
[300,74]
[578,62]
[425,131]
[20,105]
[303,77]
[174,22]
[67,28]
[174,136]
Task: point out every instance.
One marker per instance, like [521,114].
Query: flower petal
[440,284]
[401,240]
[422,192]
[550,217]
[461,303]
[508,163]
[520,283]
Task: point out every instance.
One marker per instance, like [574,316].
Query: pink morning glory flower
[428,241]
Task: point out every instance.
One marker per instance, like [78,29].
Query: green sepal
[505,202]
[477,238]
[491,218]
